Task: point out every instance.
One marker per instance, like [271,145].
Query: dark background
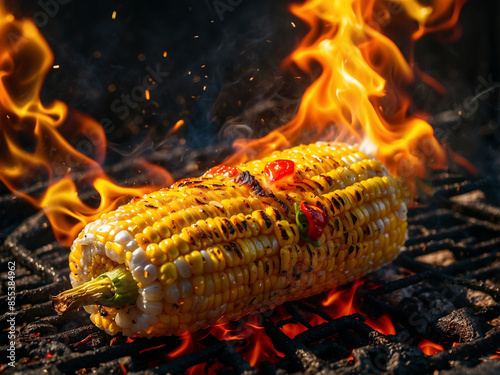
[102,59]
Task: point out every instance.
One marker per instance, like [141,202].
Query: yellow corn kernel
[198,284]
[155,254]
[162,229]
[195,261]
[73,268]
[169,248]
[168,273]
[151,235]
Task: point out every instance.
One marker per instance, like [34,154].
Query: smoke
[217,67]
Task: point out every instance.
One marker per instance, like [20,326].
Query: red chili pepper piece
[316,219]
[223,170]
[278,169]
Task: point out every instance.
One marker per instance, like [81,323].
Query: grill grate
[445,288]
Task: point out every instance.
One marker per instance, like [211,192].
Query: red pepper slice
[223,170]
[311,221]
[278,169]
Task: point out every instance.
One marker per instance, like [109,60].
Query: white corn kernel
[138,259]
[123,320]
[150,274]
[99,248]
[114,256]
[147,320]
[380,226]
[145,274]
[91,309]
[401,212]
[105,228]
[123,237]
[186,288]
[152,292]
[137,329]
[213,314]
[87,239]
[151,307]
[87,254]
[131,245]
[183,268]
[172,293]
[207,261]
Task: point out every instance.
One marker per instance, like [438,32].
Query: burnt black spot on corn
[211,249]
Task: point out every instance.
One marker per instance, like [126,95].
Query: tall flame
[32,145]
[359,95]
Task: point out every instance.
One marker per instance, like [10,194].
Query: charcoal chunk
[461,326]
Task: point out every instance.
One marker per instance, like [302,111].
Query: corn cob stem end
[114,288]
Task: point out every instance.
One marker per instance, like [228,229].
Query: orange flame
[359,96]
[342,302]
[184,347]
[257,345]
[34,142]
[429,347]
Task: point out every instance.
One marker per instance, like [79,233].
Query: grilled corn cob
[214,248]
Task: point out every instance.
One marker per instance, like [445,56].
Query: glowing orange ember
[176,127]
[359,95]
[429,347]
[33,146]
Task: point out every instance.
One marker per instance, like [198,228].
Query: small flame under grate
[442,295]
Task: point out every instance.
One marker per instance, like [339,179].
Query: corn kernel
[151,235]
[169,248]
[198,284]
[162,229]
[168,273]
[195,261]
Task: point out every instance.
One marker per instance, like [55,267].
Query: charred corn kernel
[215,261]
[284,259]
[264,221]
[286,233]
[210,249]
